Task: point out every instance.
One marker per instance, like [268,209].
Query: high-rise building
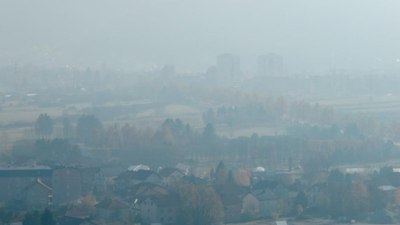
[228,65]
[270,65]
[168,70]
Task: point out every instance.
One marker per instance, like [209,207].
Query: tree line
[175,141]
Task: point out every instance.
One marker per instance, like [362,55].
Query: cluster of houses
[79,194]
[267,195]
[141,195]
[244,194]
[137,194]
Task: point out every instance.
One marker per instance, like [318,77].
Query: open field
[147,113]
[364,104]
[16,120]
[26,114]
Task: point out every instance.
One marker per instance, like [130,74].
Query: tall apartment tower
[228,65]
[270,65]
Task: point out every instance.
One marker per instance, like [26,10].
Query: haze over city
[312,35]
[212,112]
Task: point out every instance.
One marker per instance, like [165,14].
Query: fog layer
[137,34]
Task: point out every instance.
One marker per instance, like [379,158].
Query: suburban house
[38,195]
[36,187]
[76,214]
[316,195]
[90,179]
[158,209]
[141,190]
[232,208]
[388,194]
[250,205]
[156,204]
[129,179]
[170,176]
[185,169]
[15,180]
[268,202]
[273,197]
[66,184]
[113,209]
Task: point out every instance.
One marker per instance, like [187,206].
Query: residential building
[228,65]
[270,65]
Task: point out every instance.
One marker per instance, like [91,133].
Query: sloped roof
[387,188]
[77,212]
[136,175]
[112,203]
[266,184]
[40,183]
[229,199]
[32,171]
[147,189]
[183,167]
[138,167]
[166,172]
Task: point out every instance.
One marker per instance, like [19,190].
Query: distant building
[14,180]
[168,70]
[388,194]
[128,179]
[250,205]
[228,65]
[41,186]
[113,209]
[170,175]
[270,65]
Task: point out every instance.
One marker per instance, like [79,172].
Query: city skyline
[45,33]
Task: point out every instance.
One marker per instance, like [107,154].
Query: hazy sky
[310,34]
